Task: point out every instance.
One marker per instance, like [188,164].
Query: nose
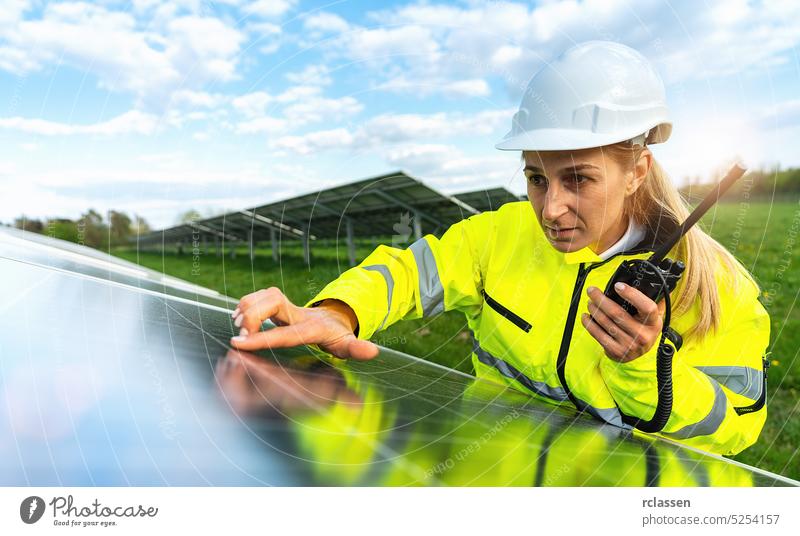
[554,202]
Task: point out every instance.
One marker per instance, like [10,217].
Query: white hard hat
[596,93]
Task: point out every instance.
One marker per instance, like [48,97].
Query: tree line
[757,183]
[90,229]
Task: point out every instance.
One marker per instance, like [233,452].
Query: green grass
[764,236]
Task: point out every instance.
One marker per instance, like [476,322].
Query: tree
[26,224]
[92,231]
[190,216]
[119,227]
[139,226]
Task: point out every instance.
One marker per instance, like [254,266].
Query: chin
[566,247]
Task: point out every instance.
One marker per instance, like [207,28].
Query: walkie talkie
[652,276]
[656,277]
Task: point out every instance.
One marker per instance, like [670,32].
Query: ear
[640,171]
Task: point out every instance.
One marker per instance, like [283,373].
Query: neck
[611,237]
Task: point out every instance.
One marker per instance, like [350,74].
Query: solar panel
[105,382]
[487,199]
[374,206]
[42,250]
[387,205]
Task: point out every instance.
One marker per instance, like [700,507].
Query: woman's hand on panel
[330,325]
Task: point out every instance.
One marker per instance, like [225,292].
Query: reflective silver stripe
[387,275]
[745,381]
[430,286]
[609,415]
[508,370]
[710,423]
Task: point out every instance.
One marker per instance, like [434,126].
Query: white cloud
[268,8]
[448,168]
[311,75]
[389,129]
[125,54]
[318,109]
[12,12]
[260,125]
[299,106]
[297,93]
[783,114]
[394,128]
[473,87]
[430,44]
[252,104]
[422,156]
[381,45]
[133,121]
[197,99]
[205,48]
[325,22]
[323,140]
[267,37]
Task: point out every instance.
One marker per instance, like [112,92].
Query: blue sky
[156,107]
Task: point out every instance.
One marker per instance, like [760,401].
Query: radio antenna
[713,196]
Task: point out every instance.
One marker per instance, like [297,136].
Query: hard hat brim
[567,139]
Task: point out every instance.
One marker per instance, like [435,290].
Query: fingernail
[235,313]
[238,321]
[243,332]
[239,338]
[584,316]
[619,285]
[588,290]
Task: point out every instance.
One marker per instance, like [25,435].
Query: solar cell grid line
[135,387]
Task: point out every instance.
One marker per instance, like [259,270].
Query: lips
[560,232]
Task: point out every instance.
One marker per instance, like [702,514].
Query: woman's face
[578,196]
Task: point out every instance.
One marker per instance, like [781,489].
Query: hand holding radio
[623,336]
[656,277]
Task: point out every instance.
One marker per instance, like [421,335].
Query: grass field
[763,235]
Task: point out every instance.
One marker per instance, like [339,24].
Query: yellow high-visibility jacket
[521,298]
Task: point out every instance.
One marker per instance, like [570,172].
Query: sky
[154,108]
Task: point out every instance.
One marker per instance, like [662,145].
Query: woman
[529,276]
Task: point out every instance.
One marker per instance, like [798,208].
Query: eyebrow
[570,168]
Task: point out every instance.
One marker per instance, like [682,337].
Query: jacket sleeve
[430,276]
[719,384]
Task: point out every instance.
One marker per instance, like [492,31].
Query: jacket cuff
[332,292]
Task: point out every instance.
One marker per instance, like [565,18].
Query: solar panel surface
[106,379]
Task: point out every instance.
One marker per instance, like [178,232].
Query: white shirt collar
[632,236]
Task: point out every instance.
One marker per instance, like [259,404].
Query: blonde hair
[658,203]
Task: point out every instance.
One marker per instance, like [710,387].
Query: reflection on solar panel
[107,380]
[43,250]
[386,205]
[487,199]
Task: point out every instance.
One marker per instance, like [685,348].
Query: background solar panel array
[371,207]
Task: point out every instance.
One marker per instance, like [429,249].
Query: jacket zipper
[561,362]
[509,315]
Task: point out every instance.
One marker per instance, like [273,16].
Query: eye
[535,178]
[579,179]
